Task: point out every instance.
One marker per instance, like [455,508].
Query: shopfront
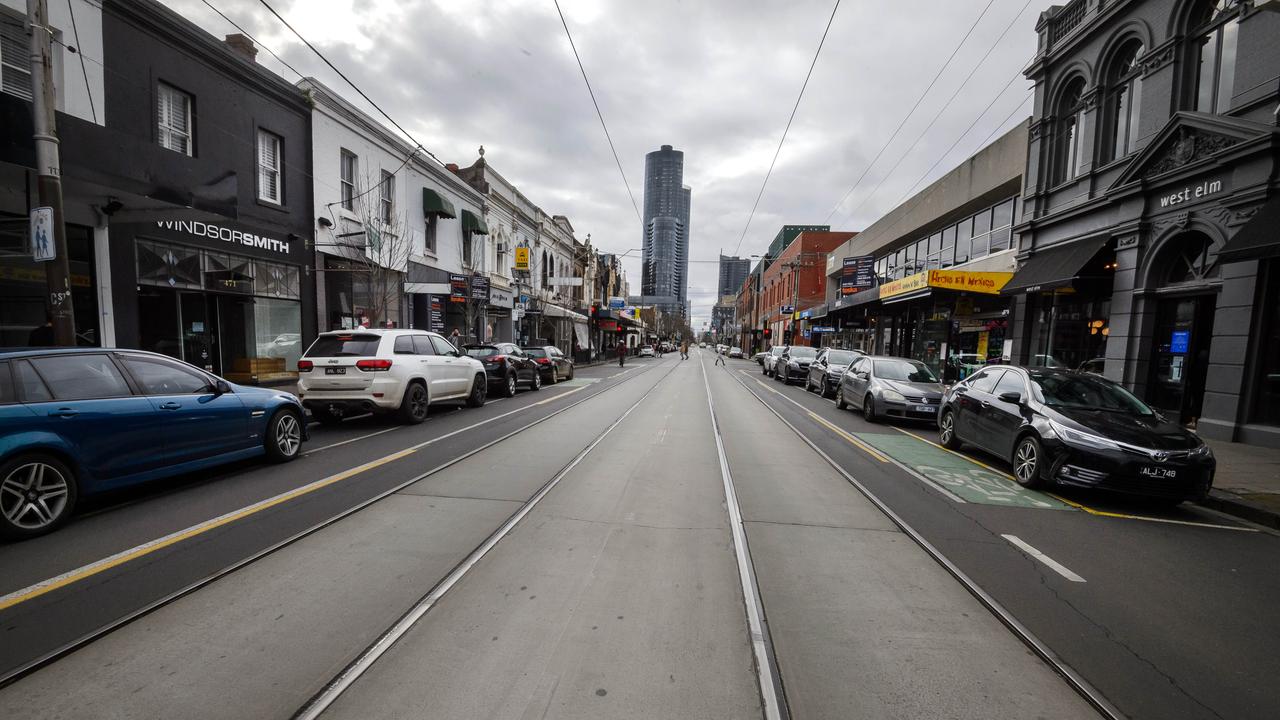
[225,298]
[23,287]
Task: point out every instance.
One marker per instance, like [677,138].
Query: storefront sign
[480,288]
[857,273]
[617,303]
[907,284]
[436,321]
[787,309]
[988,283]
[43,248]
[226,234]
[457,288]
[609,325]
[500,298]
[522,258]
[1180,341]
[822,329]
[1191,192]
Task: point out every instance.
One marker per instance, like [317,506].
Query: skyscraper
[665,278]
[733,272]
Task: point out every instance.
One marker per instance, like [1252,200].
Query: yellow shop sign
[907,284]
[988,283]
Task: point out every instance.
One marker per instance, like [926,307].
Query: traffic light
[786,336]
[595,312]
[768,333]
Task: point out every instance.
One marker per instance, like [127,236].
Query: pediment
[1187,139]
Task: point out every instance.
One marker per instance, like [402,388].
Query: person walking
[720,357]
[622,352]
[455,338]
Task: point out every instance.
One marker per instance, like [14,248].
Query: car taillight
[544,361]
[305,365]
[374,365]
[495,358]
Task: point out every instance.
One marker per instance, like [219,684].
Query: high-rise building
[665,277]
[733,271]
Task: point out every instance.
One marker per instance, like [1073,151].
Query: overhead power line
[255,41]
[910,112]
[599,114]
[785,130]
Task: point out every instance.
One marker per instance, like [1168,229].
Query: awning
[918,294]
[1053,267]
[472,223]
[435,205]
[556,311]
[1259,238]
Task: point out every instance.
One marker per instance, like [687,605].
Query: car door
[524,365]
[1003,418]
[199,422]
[432,366]
[818,368]
[456,371]
[856,379]
[976,405]
[84,399]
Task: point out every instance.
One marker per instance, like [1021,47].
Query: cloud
[715,78]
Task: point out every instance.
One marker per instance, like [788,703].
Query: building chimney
[452,167]
[242,46]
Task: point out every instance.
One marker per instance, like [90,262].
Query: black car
[793,364]
[826,369]
[553,364]
[505,366]
[1064,427]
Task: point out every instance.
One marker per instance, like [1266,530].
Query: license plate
[335,371]
[1155,471]
[924,408]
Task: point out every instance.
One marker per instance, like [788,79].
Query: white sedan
[646,351]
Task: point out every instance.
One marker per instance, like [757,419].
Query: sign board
[1180,341]
[480,288]
[43,248]
[822,329]
[987,283]
[857,273]
[904,285]
[609,325]
[788,309]
[522,258]
[617,303]
[436,320]
[457,288]
[202,229]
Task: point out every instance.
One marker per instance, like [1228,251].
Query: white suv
[346,373]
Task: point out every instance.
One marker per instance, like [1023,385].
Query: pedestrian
[719,358]
[622,352]
[42,335]
[455,338]
[684,350]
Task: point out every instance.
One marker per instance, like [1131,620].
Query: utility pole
[49,172]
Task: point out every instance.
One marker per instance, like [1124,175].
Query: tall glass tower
[665,279]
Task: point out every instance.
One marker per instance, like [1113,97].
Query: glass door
[1180,361]
[199,331]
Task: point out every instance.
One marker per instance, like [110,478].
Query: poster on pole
[43,248]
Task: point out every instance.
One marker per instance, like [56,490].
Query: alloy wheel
[511,385]
[33,495]
[1026,462]
[418,402]
[947,428]
[288,434]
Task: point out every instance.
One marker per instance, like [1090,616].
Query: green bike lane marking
[958,475]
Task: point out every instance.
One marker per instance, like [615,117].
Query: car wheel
[1026,462]
[479,391]
[510,389]
[283,438]
[552,377]
[808,384]
[947,431]
[413,409]
[869,408]
[570,373]
[840,403]
[325,416]
[826,389]
[37,494]
[536,382]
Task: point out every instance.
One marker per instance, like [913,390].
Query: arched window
[1214,26]
[1068,160]
[1186,260]
[1124,101]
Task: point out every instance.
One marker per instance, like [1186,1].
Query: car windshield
[481,350]
[777,350]
[343,345]
[840,357]
[904,371]
[1085,392]
[803,353]
[535,352]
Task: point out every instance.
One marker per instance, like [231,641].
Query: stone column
[1233,317]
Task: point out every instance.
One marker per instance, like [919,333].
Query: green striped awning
[472,223]
[434,204]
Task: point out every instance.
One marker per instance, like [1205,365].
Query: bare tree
[377,245]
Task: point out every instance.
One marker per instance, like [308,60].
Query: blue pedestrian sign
[43,248]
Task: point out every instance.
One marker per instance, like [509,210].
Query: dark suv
[505,366]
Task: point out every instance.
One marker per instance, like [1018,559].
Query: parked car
[1095,366]
[75,422]
[552,364]
[771,359]
[506,366]
[890,387]
[702,345]
[794,363]
[645,351]
[735,352]
[759,357]
[721,348]
[826,369]
[347,372]
[1063,427]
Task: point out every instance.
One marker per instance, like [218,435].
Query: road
[669,539]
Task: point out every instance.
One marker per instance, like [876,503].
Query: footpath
[1247,483]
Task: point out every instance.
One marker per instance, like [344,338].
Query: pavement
[1248,482]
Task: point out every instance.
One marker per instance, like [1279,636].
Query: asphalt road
[582,551]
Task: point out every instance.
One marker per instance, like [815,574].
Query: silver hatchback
[890,387]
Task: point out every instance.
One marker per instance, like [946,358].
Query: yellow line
[837,430]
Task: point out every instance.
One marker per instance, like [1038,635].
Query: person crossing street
[720,357]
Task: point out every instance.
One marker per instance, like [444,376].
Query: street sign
[788,309]
[617,303]
[43,248]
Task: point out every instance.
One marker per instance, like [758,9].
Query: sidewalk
[1248,482]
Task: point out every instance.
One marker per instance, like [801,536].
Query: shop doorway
[1180,358]
[180,324]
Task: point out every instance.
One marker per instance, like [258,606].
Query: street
[667,539]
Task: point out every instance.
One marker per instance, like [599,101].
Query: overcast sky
[715,78]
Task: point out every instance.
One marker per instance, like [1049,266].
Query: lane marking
[72,576]
[766,664]
[351,440]
[334,689]
[1052,564]
[842,433]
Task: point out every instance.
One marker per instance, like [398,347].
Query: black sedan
[793,364]
[505,366]
[826,369]
[1061,427]
[553,364]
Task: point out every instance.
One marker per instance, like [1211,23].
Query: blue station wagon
[79,421]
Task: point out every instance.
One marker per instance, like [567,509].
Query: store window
[1068,331]
[23,288]
[1266,405]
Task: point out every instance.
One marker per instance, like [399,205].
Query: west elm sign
[1191,192]
[226,234]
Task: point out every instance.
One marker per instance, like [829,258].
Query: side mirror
[1011,397]
[221,387]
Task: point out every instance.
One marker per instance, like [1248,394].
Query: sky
[717,79]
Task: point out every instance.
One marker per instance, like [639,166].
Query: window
[442,346]
[404,345]
[269,149]
[981,243]
[429,234]
[1124,101]
[422,345]
[949,246]
[173,114]
[964,240]
[1001,224]
[160,377]
[1011,382]
[344,345]
[29,385]
[15,59]
[6,384]
[985,382]
[1216,26]
[81,377]
[347,167]
[1068,159]
[387,197]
